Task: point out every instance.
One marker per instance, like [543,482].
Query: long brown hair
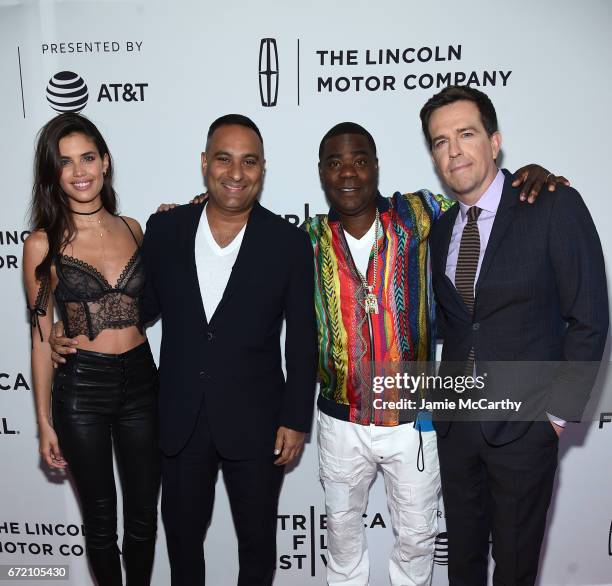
[49,210]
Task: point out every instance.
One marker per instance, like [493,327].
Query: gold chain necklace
[97,224]
[97,220]
[371,302]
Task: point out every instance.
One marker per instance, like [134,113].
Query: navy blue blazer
[230,365]
[540,296]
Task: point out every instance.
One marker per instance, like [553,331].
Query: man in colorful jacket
[375,316]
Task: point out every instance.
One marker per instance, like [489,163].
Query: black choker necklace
[87,213]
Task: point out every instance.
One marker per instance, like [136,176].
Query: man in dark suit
[513,283]
[223,275]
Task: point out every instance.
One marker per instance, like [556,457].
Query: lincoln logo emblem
[268,72]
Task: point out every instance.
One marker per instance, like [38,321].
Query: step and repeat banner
[153,75]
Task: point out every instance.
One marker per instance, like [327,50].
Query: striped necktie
[465,274]
[467,261]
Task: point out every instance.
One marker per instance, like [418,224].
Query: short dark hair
[233,119]
[346,128]
[455,93]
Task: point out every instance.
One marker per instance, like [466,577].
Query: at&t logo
[67,92]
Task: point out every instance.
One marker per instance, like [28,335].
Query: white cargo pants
[349,455]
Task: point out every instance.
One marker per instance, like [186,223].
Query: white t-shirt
[361,247]
[214,264]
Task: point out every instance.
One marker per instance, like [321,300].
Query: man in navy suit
[224,274]
[513,283]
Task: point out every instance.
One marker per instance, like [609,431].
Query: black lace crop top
[87,302]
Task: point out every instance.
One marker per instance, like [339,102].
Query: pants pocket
[339,476]
[346,485]
[417,533]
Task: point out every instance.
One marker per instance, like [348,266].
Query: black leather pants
[101,401]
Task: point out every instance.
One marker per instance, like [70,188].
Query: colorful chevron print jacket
[351,341]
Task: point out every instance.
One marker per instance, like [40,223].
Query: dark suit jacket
[232,362]
[540,296]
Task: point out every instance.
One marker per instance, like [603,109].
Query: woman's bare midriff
[112,341]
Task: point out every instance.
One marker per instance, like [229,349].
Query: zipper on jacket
[372,358]
[370,328]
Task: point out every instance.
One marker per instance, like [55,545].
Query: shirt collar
[490,199]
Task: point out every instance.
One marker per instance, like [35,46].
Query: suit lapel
[191,270]
[503,219]
[247,257]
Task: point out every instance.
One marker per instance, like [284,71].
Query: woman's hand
[48,446]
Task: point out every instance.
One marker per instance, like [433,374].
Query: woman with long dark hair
[85,260]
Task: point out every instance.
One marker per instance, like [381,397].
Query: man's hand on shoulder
[533,178]
[165,207]
[288,445]
[199,198]
[60,344]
